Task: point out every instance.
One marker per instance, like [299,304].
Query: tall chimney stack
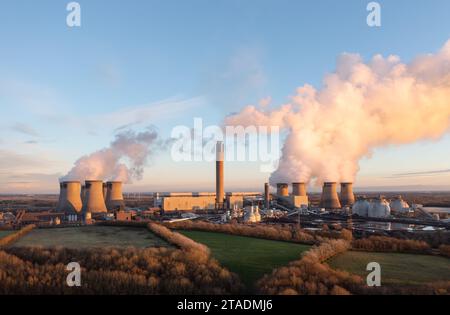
[330,199]
[93,199]
[299,189]
[282,190]
[347,196]
[220,195]
[114,196]
[71,200]
[267,195]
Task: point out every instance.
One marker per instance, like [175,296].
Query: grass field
[4,233]
[249,257]
[396,268]
[91,237]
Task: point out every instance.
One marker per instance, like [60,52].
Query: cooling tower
[71,201]
[93,199]
[62,197]
[299,189]
[330,198]
[220,195]
[347,196]
[83,192]
[282,190]
[104,191]
[114,197]
[267,195]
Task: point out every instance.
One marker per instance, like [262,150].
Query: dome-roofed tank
[361,207]
[399,205]
[379,208]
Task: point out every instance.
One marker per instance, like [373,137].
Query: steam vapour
[123,160]
[361,106]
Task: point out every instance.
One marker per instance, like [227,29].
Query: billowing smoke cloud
[123,160]
[361,106]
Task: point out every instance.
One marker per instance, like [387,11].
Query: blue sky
[64,91]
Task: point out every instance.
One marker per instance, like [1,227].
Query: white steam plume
[361,106]
[123,160]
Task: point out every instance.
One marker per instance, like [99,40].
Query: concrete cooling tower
[114,198]
[71,201]
[347,196]
[220,194]
[299,189]
[282,190]
[62,197]
[93,199]
[330,199]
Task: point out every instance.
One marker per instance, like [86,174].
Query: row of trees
[309,276]
[114,271]
[271,232]
[391,244]
[312,276]
[10,238]
[177,239]
[186,270]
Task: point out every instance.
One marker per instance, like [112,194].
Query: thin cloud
[24,129]
[425,173]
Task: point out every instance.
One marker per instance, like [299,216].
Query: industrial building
[202,201]
[296,199]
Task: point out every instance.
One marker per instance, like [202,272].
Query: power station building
[203,201]
[296,199]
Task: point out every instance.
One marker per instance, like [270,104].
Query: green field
[91,237]
[249,257]
[396,268]
[4,233]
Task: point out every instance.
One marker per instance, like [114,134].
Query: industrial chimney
[282,190]
[71,202]
[93,200]
[114,197]
[267,195]
[330,198]
[62,197]
[220,195]
[347,196]
[299,189]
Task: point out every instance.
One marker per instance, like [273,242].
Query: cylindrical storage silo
[299,189]
[114,196]
[282,190]
[93,200]
[330,199]
[379,208]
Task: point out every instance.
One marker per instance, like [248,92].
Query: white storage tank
[379,208]
[361,207]
[399,205]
